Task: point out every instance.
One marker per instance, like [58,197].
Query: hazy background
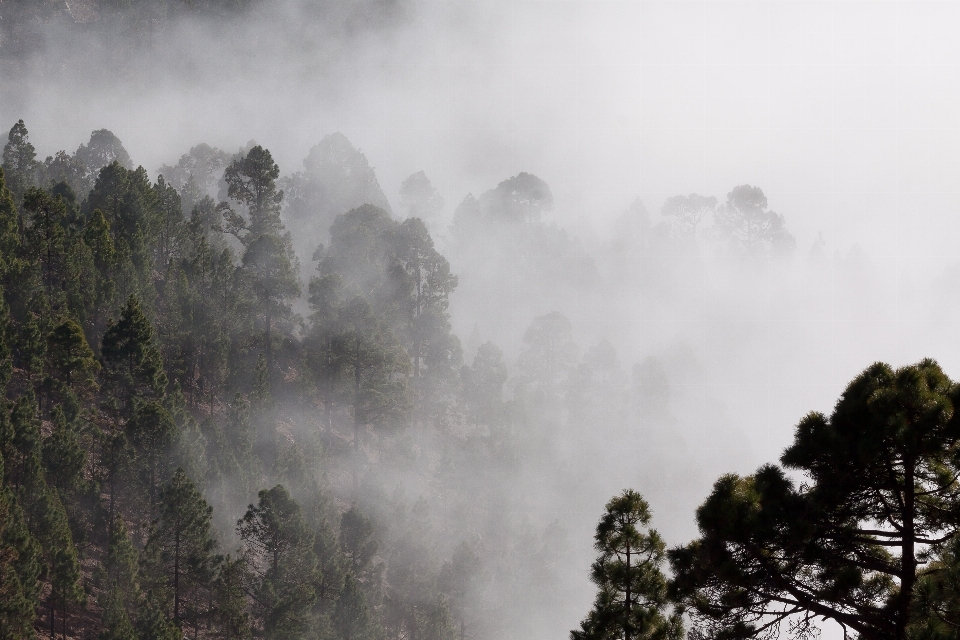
[847,115]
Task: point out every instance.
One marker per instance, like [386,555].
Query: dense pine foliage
[173,431]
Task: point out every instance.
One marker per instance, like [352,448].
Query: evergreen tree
[847,544]
[103,254]
[118,576]
[6,355]
[61,564]
[104,148]
[70,360]
[183,542]
[130,206]
[357,540]
[279,550]
[64,457]
[46,237]
[19,161]
[22,451]
[116,621]
[231,619]
[272,271]
[351,616]
[251,182]
[632,593]
[19,569]
[132,363]
[420,199]
[62,167]
[153,625]
[172,225]
[10,239]
[749,228]
[431,284]
[152,434]
[483,386]
[270,267]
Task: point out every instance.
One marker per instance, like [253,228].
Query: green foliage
[101,269]
[279,550]
[182,544]
[230,613]
[357,540]
[132,363]
[70,360]
[19,570]
[104,148]
[153,625]
[19,161]
[116,620]
[64,457]
[272,272]
[847,544]
[6,355]
[130,206]
[251,182]
[351,616]
[632,595]
[46,237]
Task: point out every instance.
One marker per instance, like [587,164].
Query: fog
[846,115]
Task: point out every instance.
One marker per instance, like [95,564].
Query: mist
[844,114]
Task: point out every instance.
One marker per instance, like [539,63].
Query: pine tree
[183,542]
[351,616]
[10,239]
[152,433]
[153,625]
[19,161]
[70,360]
[97,238]
[272,272]
[116,621]
[46,237]
[231,620]
[357,540]
[61,565]
[62,167]
[172,225]
[430,286]
[132,363]
[251,182]
[270,267]
[22,455]
[64,458]
[6,355]
[19,569]
[118,575]
[279,550]
[130,206]
[632,596]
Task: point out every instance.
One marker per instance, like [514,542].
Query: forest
[201,439]
[471,320]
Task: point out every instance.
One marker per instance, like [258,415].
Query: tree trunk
[908,560]
[176,580]
[626,610]
[267,347]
